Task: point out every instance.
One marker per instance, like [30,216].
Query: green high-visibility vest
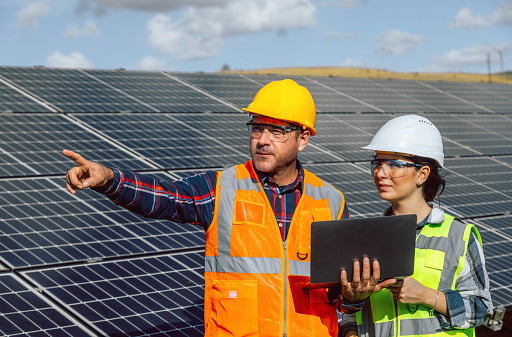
[439,258]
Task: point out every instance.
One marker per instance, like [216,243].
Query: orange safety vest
[253,280]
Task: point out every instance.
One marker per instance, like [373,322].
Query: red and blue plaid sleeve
[190,200]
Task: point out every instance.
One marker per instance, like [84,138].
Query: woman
[448,294]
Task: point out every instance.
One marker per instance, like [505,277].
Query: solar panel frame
[26,312]
[150,295]
[42,224]
[32,144]
[71,90]
[161,92]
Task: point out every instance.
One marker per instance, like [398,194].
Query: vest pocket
[434,259]
[235,307]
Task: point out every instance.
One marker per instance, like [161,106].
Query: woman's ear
[423,174]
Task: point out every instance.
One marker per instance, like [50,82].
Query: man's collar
[297,183]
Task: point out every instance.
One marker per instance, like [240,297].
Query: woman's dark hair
[433,187]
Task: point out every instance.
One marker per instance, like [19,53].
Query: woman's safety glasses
[391,168]
[276,133]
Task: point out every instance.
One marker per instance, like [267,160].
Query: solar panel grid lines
[336,134]
[373,94]
[354,181]
[13,99]
[469,93]
[479,134]
[439,100]
[468,107]
[148,106]
[70,90]
[36,141]
[468,190]
[406,90]
[223,102]
[43,225]
[26,312]
[327,99]
[233,88]
[149,295]
[178,141]
[497,245]
[127,151]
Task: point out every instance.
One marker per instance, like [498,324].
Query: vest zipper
[285,288]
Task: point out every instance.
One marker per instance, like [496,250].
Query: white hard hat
[410,134]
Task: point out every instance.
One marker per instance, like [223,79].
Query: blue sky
[203,35]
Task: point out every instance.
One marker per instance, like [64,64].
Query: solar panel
[155,295]
[497,245]
[482,134]
[233,88]
[178,141]
[474,95]
[71,90]
[160,91]
[32,144]
[478,186]
[13,101]
[356,184]
[496,96]
[326,99]
[42,224]
[440,101]
[375,94]
[25,312]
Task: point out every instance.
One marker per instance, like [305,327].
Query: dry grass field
[383,74]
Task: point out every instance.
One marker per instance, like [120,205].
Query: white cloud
[500,16]
[199,33]
[28,16]
[464,59]
[342,3]
[352,63]
[151,63]
[89,30]
[73,60]
[397,42]
[149,5]
[332,34]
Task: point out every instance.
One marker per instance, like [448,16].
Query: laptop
[336,244]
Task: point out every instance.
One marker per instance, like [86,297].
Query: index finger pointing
[77,158]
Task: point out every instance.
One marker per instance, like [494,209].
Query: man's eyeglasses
[391,167]
[276,133]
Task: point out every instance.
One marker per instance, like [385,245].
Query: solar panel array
[78,265]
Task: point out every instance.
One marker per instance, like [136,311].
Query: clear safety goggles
[391,167]
[276,133]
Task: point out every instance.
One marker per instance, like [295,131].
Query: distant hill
[505,77]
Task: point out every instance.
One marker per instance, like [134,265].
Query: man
[257,218]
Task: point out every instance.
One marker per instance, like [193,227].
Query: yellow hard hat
[285,100]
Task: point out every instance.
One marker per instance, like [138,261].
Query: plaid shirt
[470,303]
[192,200]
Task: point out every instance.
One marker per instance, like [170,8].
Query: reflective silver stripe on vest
[299,268]
[229,184]
[226,212]
[237,264]
[453,254]
[414,327]
[453,247]
[326,192]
